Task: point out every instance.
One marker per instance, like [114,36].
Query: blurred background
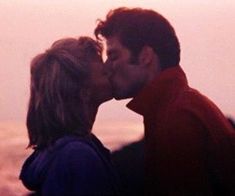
[206,30]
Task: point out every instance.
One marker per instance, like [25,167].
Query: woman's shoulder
[74,144]
[76,149]
[81,157]
[81,161]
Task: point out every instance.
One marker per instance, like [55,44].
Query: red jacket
[189,144]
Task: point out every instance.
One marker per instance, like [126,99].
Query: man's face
[126,78]
[99,84]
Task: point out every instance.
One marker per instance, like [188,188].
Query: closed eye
[112,55]
[113,58]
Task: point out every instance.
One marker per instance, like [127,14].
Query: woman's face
[99,85]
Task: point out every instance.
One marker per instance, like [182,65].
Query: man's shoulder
[192,100]
[193,104]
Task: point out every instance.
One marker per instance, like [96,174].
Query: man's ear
[146,55]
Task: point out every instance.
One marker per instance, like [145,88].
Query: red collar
[159,91]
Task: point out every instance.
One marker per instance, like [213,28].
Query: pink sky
[206,30]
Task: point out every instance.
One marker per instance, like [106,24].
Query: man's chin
[107,99]
[120,97]
[120,94]
[104,101]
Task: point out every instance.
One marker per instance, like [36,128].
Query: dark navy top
[71,166]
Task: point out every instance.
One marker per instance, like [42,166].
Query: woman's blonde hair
[57,77]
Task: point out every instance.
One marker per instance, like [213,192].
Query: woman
[68,83]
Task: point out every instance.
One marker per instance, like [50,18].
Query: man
[129,163]
[189,144]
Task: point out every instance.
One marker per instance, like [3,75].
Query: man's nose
[108,68]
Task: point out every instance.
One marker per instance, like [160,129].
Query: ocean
[14,140]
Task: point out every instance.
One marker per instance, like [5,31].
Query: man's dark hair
[139,27]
